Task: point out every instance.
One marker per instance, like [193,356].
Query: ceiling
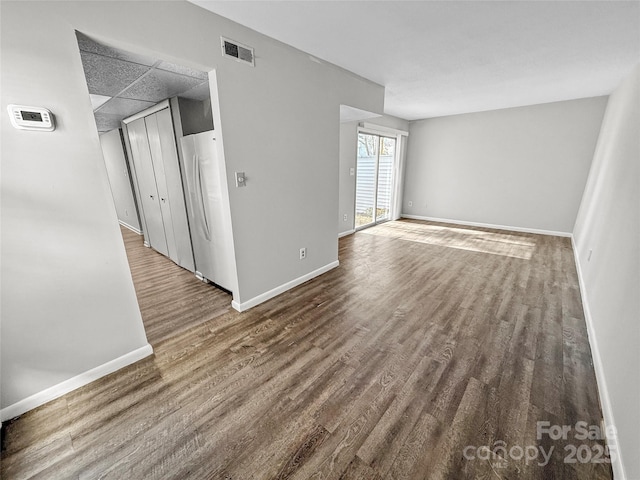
[439,58]
[123,83]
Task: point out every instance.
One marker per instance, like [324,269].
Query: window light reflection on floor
[507,243]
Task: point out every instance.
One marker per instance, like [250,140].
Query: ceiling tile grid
[122,83]
[159,85]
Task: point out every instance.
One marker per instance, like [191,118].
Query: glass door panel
[374,179]
[366,165]
[386,156]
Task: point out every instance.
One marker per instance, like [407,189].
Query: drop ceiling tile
[125,107]
[86,44]
[159,85]
[97,100]
[106,122]
[171,67]
[199,92]
[109,76]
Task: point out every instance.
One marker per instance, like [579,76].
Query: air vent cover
[237,51]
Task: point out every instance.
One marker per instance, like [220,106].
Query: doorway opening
[375,166]
[144,107]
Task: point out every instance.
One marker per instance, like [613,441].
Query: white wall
[608,224]
[119,180]
[68,300]
[348,146]
[521,167]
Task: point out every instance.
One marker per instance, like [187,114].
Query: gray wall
[520,167]
[608,224]
[280,125]
[119,180]
[68,302]
[348,146]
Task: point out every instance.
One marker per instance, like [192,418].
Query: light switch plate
[241,180]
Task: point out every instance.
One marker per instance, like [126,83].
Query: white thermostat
[31,118]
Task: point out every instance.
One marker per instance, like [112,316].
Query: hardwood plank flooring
[428,338]
[171,300]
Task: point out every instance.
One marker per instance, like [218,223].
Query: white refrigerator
[209,222]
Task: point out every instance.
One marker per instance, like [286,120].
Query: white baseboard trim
[348,232]
[605,401]
[241,307]
[133,229]
[489,225]
[73,383]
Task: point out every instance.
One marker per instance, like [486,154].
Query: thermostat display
[31,118]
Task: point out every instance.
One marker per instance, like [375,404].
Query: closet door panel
[155,146]
[149,194]
[175,190]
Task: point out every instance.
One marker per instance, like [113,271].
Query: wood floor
[427,339]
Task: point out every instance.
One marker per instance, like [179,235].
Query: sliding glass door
[374,179]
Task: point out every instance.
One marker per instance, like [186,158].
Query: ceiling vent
[237,51]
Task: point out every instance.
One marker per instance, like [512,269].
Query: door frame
[397,172]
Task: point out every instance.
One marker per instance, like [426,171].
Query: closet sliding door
[153,223]
[155,148]
[157,170]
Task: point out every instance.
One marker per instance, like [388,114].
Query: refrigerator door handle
[198,184]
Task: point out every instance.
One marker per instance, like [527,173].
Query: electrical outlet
[344,217]
[303,253]
[352,171]
[410,203]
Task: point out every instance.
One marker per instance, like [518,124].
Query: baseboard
[346,233]
[607,412]
[241,307]
[489,225]
[73,383]
[133,229]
